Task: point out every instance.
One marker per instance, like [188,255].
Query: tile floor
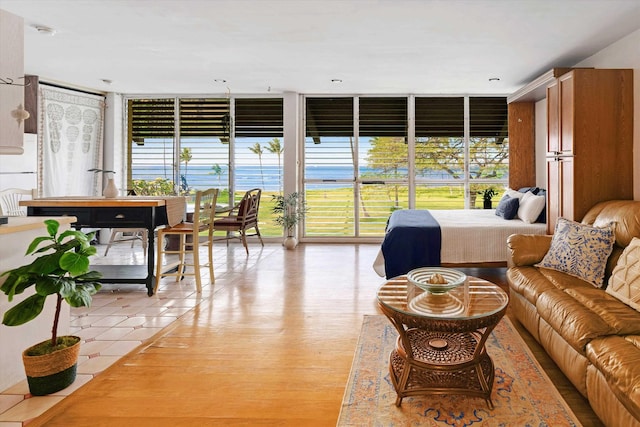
[121,318]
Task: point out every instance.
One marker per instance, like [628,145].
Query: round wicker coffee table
[441,343]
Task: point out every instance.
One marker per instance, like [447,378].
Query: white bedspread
[473,236]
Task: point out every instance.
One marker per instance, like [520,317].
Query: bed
[468,237]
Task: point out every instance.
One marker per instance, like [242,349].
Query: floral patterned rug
[522,393]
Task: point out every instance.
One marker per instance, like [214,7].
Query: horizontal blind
[259,117]
[488,117]
[439,117]
[204,117]
[151,118]
[383,116]
[329,117]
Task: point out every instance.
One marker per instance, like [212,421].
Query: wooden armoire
[589,139]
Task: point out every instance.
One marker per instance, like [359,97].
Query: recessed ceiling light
[45,30]
[336,80]
[220,80]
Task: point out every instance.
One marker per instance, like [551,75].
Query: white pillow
[530,207]
[624,282]
[513,194]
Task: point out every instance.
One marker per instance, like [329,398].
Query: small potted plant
[487,195]
[289,210]
[63,271]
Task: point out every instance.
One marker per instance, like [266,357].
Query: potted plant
[289,210]
[487,195]
[62,270]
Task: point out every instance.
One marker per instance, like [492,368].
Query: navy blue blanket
[412,240]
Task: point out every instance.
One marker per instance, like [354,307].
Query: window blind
[259,117]
[329,117]
[439,117]
[383,117]
[488,117]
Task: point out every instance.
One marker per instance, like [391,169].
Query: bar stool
[203,215]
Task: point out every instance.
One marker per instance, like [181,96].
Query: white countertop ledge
[19,224]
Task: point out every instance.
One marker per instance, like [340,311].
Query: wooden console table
[122,212]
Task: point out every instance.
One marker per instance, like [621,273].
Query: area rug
[523,395]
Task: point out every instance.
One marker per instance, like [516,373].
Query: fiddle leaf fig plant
[62,270]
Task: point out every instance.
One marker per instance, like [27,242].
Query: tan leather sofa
[593,337]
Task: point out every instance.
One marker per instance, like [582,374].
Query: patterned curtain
[70,136]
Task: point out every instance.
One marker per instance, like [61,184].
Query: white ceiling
[257,46]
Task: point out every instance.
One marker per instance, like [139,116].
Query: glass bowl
[420,277]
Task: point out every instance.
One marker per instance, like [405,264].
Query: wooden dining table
[147,212]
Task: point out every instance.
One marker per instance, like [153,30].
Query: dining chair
[190,241]
[10,201]
[119,235]
[240,218]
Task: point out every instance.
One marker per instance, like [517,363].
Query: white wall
[625,53]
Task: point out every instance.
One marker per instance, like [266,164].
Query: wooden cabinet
[31,103]
[589,141]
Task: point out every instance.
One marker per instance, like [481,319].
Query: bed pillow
[580,250]
[543,215]
[513,193]
[508,207]
[624,282]
[530,207]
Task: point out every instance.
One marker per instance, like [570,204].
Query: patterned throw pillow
[580,250]
[508,207]
[624,282]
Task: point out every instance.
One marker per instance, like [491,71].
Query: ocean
[266,177]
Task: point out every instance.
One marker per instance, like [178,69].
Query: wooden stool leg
[160,252]
[212,278]
[181,257]
[196,261]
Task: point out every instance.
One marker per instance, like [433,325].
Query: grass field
[331,210]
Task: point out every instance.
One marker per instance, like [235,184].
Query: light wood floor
[271,343]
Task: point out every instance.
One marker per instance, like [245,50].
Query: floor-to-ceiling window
[180,145]
[365,157]
[362,156]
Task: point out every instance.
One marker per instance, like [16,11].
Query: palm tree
[257,149]
[185,156]
[218,171]
[275,147]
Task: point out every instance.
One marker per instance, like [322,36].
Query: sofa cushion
[624,282]
[622,319]
[528,282]
[571,319]
[580,250]
[508,207]
[618,359]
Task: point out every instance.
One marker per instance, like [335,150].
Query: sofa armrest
[527,249]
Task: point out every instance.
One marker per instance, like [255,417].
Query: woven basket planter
[53,372]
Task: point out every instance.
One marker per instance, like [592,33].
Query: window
[179,145]
[361,163]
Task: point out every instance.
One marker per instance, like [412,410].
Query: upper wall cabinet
[11,70]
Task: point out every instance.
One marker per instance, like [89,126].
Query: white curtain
[70,133]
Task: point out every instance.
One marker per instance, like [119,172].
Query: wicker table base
[441,338]
[443,363]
